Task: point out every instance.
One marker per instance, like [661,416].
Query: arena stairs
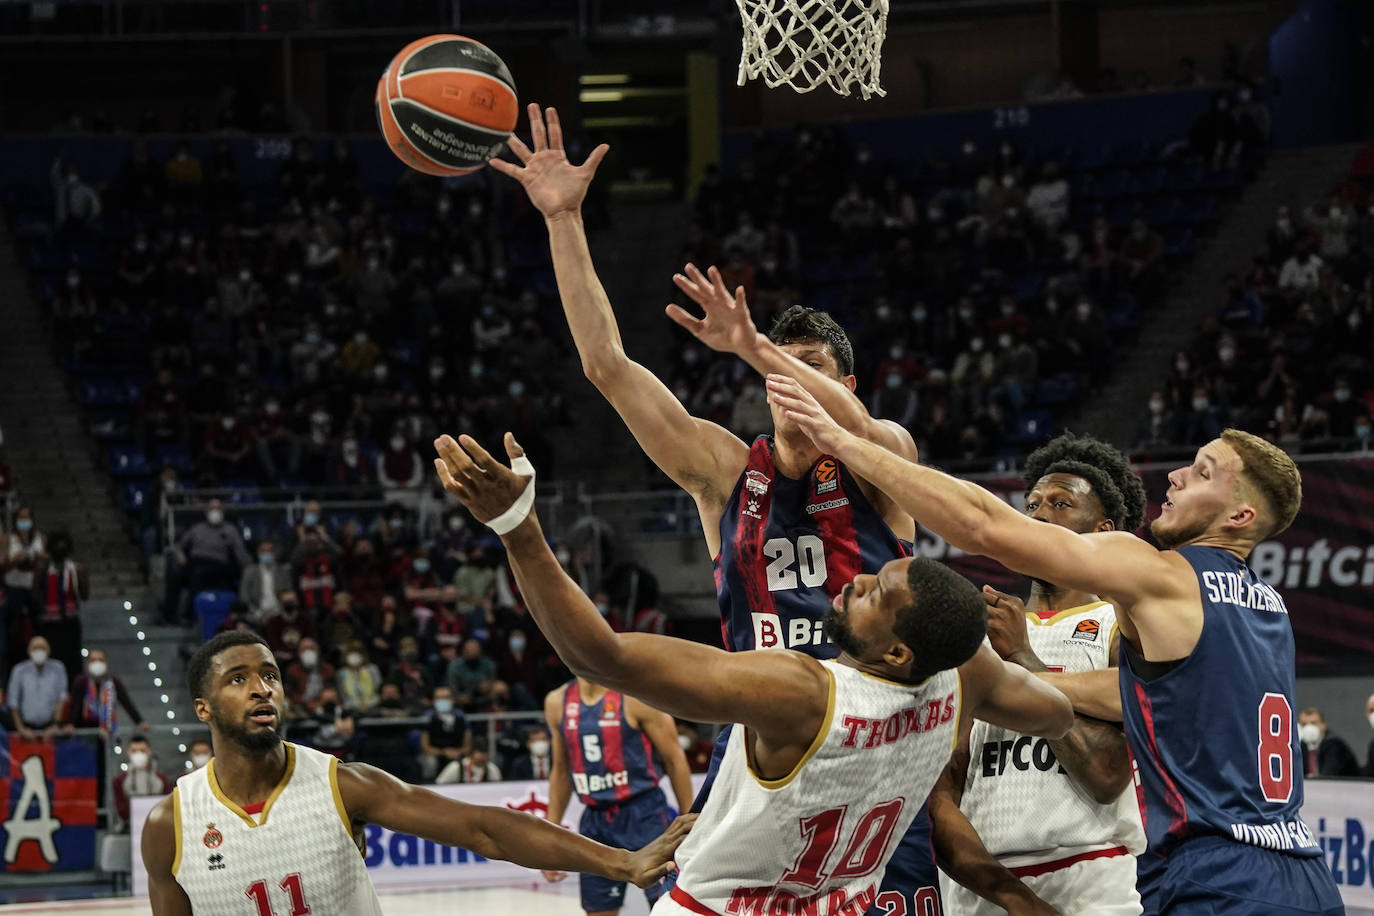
[1296,177]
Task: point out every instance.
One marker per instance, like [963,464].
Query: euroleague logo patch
[1087,630]
[212,837]
[827,476]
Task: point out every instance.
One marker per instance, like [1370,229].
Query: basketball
[446,104]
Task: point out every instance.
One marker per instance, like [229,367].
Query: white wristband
[519,510]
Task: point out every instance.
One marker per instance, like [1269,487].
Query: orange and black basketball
[446,104]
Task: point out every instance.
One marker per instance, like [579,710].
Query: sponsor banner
[401,860]
[1322,566]
[1340,813]
[50,794]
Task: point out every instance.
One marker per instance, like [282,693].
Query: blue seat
[136,493]
[128,461]
[1031,426]
[1029,287]
[210,609]
[176,455]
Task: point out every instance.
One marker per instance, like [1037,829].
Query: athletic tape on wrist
[519,510]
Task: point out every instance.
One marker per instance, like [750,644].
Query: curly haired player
[1025,823]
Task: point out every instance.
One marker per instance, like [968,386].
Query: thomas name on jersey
[897,726]
[1231,588]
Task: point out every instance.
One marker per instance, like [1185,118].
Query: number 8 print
[1276,748]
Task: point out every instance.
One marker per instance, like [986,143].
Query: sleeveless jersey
[1214,739]
[298,853]
[787,547]
[820,837]
[1025,807]
[610,760]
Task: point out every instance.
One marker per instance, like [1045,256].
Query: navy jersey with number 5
[787,547]
[610,760]
[1214,738]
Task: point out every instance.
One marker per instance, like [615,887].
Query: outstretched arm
[782,696]
[971,518]
[1092,693]
[1003,694]
[728,328]
[701,457]
[375,796]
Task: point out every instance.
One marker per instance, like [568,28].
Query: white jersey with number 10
[818,839]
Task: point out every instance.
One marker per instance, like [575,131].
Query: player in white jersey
[1024,823]
[834,758]
[268,827]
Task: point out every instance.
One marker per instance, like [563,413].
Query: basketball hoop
[806,43]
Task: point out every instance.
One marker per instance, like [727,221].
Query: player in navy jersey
[612,749]
[1207,658]
[786,525]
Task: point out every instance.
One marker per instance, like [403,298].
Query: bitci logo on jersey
[827,476]
[1087,630]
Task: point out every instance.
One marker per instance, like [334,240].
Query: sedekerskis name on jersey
[1283,836]
[1231,588]
[897,726]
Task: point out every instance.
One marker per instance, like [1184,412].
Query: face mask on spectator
[73,280]
[215,516]
[293,280]
[38,656]
[199,760]
[562,556]
[24,524]
[1362,430]
[516,389]
[398,443]
[267,558]
[1084,309]
[894,380]
[380,372]
[245,276]
[309,657]
[517,644]
[312,337]
[443,706]
[1008,180]
[1342,395]
[227,422]
[1310,734]
[602,608]
[976,345]
[918,315]
[1226,354]
[97,669]
[1156,405]
[455,523]
[138,759]
[140,245]
[684,741]
[354,659]
[420,565]
[1199,403]
[272,408]
[539,748]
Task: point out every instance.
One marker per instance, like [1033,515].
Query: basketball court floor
[526,899]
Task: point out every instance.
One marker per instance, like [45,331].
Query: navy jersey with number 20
[787,547]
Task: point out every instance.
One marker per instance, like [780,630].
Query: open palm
[727,327]
[554,184]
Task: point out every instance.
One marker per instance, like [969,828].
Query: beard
[1169,537]
[257,741]
[836,629]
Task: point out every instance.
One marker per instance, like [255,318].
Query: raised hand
[554,184]
[727,326]
[484,485]
[801,408]
[653,862]
[1006,623]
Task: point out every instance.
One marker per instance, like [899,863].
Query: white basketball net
[804,43]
